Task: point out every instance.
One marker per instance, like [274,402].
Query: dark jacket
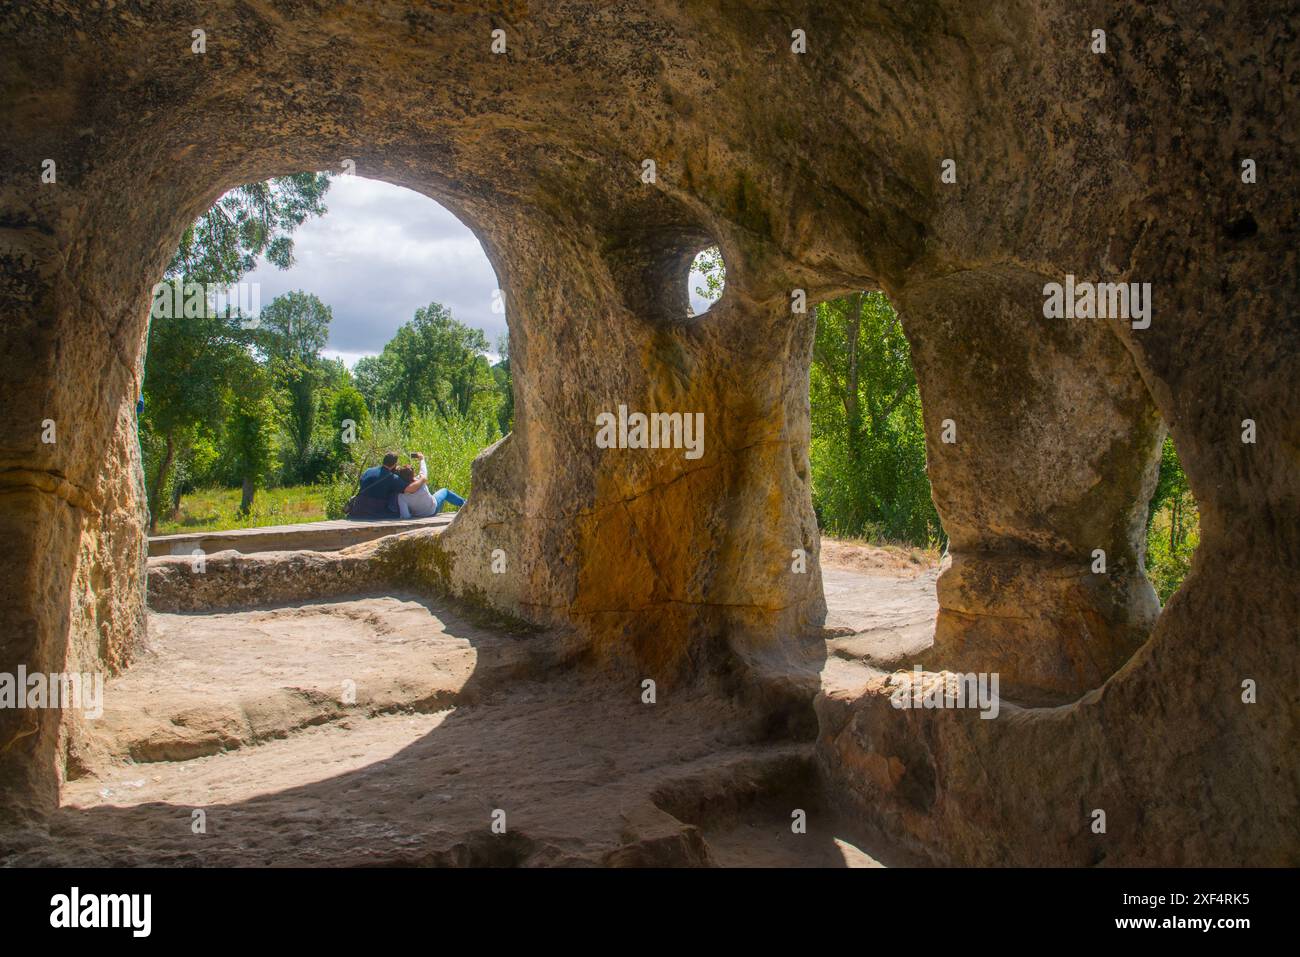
[383,486]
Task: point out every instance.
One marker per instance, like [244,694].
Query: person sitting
[417,501]
[390,462]
[378,495]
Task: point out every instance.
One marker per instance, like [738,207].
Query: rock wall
[230,580]
[819,171]
[1043,447]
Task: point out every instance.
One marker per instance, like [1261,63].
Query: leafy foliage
[433,362]
[710,265]
[504,386]
[249,221]
[294,329]
[249,435]
[868,440]
[295,325]
[191,360]
[1173,526]
[185,357]
[450,444]
[348,405]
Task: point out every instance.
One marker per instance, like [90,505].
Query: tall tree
[371,375]
[432,362]
[256,219]
[293,329]
[295,325]
[1174,494]
[188,360]
[348,406]
[250,428]
[868,452]
[505,385]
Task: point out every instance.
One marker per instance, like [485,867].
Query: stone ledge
[328,536]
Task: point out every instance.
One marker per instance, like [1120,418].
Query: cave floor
[387,730]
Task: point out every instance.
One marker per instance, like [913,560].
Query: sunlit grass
[217,509]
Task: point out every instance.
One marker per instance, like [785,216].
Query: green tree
[349,405]
[250,428]
[1173,525]
[188,360]
[709,264]
[868,451]
[505,386]
[186,365]
[432,362]
[295,325]
[1172,493]
[256,219]
[292,331]
[371,375]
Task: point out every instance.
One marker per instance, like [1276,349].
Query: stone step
[580,772]
[226,681]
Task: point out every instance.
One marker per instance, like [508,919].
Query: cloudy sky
[380,253]
[376,256]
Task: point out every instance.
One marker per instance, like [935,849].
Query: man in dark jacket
[390,463]
[379,489]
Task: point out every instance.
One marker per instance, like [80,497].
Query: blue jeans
[444,495]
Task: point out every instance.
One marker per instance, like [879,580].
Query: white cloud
[377,255]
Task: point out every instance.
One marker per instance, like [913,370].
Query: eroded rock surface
[818,172]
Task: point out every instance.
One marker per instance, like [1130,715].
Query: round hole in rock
[706,280]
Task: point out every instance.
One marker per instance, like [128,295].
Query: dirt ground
[892,560]
[390,730]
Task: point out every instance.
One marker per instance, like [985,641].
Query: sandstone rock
[654,838]
[226,580]
[818,172]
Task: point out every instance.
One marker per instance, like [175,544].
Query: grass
[905,551]
[216,509]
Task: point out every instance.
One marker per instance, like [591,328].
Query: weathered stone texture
[818,172]
[228,579]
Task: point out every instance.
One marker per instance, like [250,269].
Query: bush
[450,445]
[317,465]
[347,405]
[883,495]
[1167,569]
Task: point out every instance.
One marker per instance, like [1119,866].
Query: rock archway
[817,171]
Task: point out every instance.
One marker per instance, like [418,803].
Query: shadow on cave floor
[243,717]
